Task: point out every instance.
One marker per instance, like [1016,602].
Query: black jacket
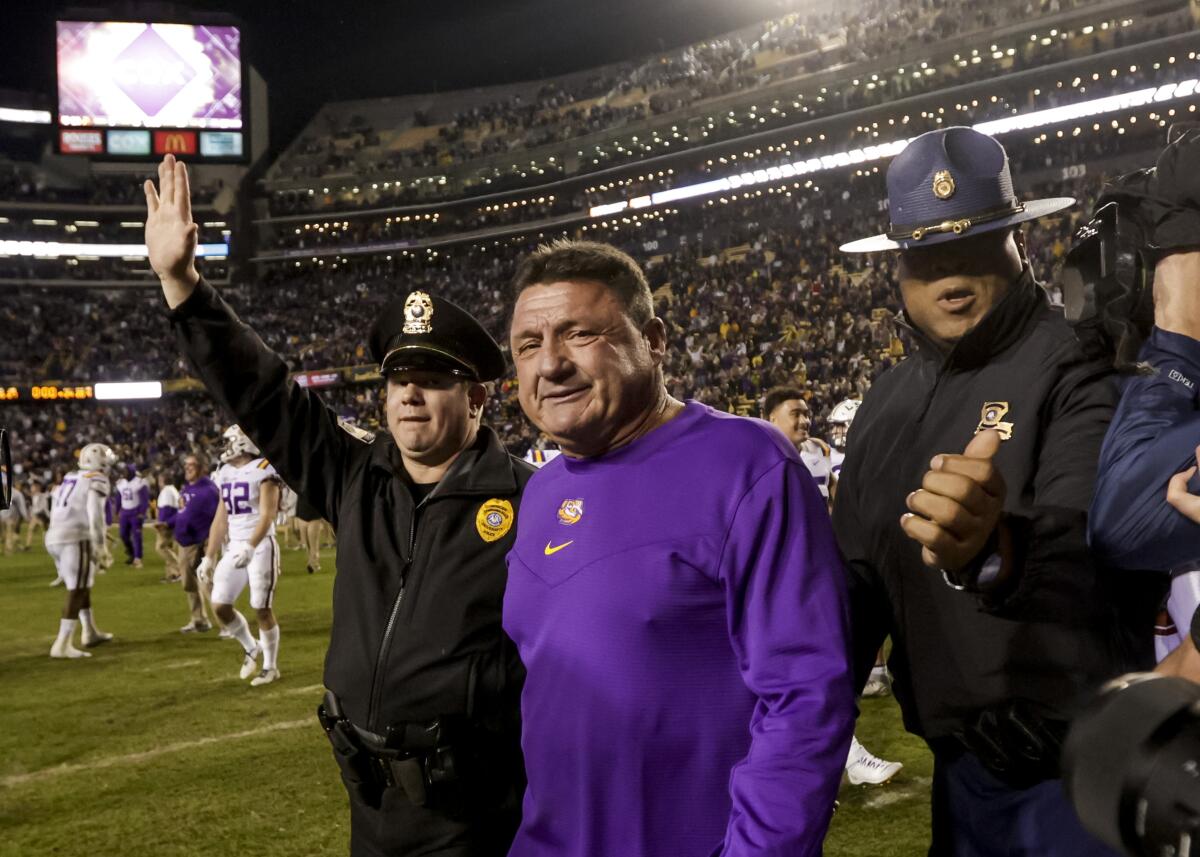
[1064,624]
[416,629]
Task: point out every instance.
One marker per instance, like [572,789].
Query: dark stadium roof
[314,51]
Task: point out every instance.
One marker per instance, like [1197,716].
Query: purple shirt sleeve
[143,505]
[785,591]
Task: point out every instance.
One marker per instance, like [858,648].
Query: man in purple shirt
[675,594]
[198,506]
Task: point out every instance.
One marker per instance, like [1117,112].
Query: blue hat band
[958,226]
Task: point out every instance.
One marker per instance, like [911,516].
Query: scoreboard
[47,392]
[131,90]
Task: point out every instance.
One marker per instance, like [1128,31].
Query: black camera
[1107,281]
[6,471]
[1132,766]
[1108,275]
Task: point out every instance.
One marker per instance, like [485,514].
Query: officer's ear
[1018,235]
[477,396]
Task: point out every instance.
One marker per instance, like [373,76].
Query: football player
[839,420]
[250,494]
[167,506]
[39,512]
[135,501]
[787,410]
[76,541]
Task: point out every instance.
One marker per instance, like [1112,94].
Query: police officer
[962,509]
[422,708]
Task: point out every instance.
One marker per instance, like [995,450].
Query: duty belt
[419,758]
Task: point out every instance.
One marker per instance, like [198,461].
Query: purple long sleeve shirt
[198,501]
[680,608]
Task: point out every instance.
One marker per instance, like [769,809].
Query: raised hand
[956,509]
[170,231]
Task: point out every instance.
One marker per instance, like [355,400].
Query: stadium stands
[374,153]
[749,278]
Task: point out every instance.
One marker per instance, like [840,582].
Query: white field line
[144,755]
[895,793]
[296,691]
[171,665]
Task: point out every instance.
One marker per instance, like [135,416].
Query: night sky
[312,52]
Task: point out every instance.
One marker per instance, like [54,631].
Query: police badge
[494,519]
[990,418]
[418,313]
[943,184]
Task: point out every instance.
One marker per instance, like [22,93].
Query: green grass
[154,748]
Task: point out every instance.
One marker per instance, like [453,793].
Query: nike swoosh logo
[551,551]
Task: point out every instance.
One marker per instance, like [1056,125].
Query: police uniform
[988,680]
[424,687]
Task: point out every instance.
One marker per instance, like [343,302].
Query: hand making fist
[955,511]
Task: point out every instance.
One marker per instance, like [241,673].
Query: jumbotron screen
[137,75]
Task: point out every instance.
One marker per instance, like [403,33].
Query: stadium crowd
[791,46]
[756,295]
[21,182]
[1090,77]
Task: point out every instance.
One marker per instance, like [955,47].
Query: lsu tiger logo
[570,512]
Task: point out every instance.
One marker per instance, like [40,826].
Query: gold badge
[943,184]
[570,512]
[990,418]
[494,519]
[418,313]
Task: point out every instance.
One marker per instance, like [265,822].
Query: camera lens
[1132,765]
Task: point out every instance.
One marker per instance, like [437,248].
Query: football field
[154,747]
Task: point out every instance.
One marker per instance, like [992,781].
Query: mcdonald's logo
[175,142]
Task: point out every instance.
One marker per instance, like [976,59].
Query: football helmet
[238,443]
[839,420]
[97,456]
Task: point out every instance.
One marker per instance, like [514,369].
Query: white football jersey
[241,488]
[836,459]
[816,457]
[131,492]
[41,502]
[168,497]
[542,457]
[69,506]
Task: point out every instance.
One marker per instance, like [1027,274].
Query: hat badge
[418,313]
[943,184]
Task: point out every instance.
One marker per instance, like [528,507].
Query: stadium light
[128,389]
[867,154]
[62,249]
[31,117]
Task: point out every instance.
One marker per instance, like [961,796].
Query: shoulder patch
[356,432]
[264,464]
